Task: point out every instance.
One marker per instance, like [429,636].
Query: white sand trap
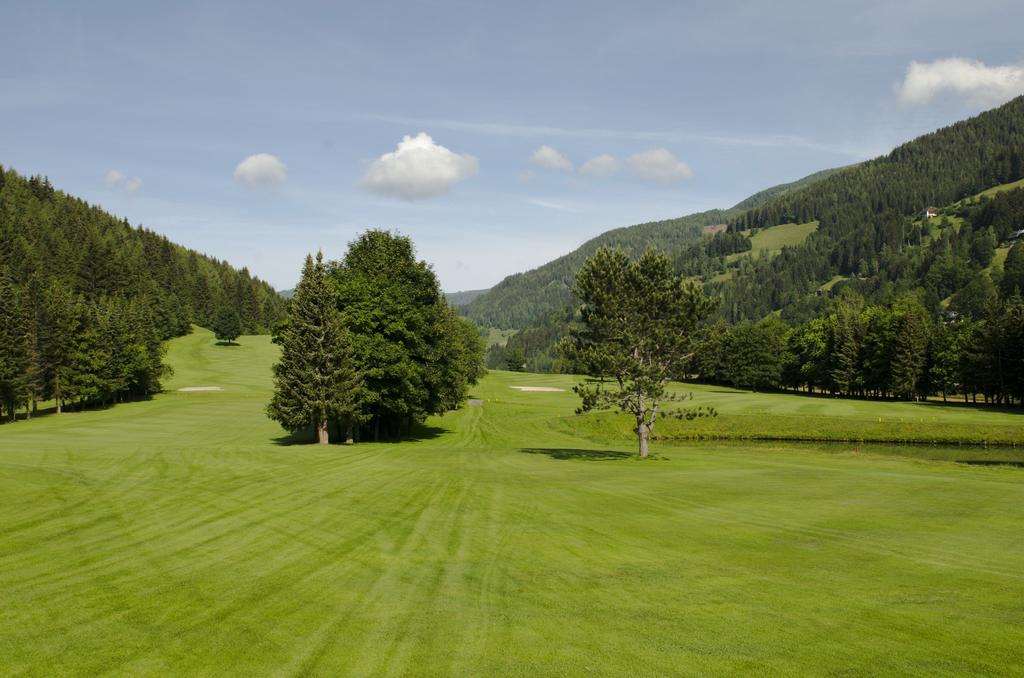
[201,388]
[541,389]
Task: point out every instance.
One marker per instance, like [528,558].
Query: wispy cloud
[553,205]
[118,179]
[662,136]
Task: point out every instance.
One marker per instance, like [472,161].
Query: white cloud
[603,165]
[118,179]
[659,166]
[418,168]
[261,169]
[984,85]
[547,157]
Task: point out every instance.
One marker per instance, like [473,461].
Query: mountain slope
[525,298]
[462,297]
[866,219]
[47,235]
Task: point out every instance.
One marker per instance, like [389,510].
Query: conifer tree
[315,380]
[13,382]
[60,327]
[35,378]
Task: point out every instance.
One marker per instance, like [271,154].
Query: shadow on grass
[991,462]
[228,343]
[586,455]
[308,437]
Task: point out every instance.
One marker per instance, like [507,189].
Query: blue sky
[154,111]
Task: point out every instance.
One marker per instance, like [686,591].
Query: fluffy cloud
[261,169]
[984,85]
[659,166]
[418,168]
[118,179]
[603,165]
[547,157]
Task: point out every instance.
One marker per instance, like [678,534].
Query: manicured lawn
[184,536]
[746,415]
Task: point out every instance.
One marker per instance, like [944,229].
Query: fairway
[188,535]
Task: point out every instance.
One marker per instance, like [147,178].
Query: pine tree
[315,380]
[227,326]
[13,381]
[35,378]
[60,327]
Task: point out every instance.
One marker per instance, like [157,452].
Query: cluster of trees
[898,350]
[88,299]
[55,345]
[370,346]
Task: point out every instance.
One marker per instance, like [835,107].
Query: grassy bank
[745,415]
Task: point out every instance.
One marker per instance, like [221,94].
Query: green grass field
[772,240]
[185,536]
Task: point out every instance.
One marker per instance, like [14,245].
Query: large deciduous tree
[315,380]
[638,322]
[419,358]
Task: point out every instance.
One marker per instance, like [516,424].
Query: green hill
[856,228]
[463,297]
[526,298]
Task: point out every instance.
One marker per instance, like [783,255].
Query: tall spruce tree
[315,380]
[14,384]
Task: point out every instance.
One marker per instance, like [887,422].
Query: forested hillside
[868,230]
[526,299]
[861,228]
[87,298]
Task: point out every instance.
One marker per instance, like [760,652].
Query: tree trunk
[321,432]
[641,434]
[349,437]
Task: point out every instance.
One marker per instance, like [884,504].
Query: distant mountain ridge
[463,297]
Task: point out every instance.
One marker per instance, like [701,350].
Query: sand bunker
[543,389]
[201,388]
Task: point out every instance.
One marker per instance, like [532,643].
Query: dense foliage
[896,350]
[317,379]
[87,299]
[398,353]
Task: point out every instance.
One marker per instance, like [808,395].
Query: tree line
[86,300]
[897,350]
[370,347]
